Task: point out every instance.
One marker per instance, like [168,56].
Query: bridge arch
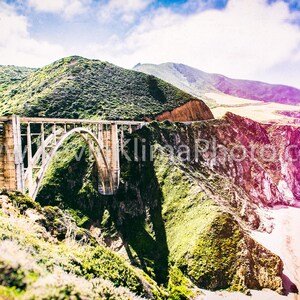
[104,171]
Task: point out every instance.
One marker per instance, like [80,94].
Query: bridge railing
[35,120]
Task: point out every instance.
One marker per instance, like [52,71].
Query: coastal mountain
[259,101]
[76,87]
[191,217]
[198,83]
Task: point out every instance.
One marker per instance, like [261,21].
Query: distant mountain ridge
[198,83]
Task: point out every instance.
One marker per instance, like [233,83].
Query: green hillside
[175,226]
[76,87]
[11,75]
[52,258]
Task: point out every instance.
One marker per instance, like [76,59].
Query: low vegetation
[45,255]
[11,75]
[171,229]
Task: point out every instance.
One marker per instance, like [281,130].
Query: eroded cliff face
[193,110]
[262,159]
[259,160]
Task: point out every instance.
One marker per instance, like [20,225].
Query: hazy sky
[251,39]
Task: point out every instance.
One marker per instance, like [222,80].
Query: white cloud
[16,45]
[124,9]
[68,8]
[245,39]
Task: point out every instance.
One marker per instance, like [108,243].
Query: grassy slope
[206,242]
[43,255]
[168,225]
[76,87]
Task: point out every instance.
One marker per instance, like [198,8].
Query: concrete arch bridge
[28,145]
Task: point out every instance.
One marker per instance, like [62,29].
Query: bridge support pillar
[115,160]
[12,177]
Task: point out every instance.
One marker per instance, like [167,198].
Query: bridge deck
[71,121]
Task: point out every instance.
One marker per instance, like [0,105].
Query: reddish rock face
[269,171]
[272,175]
[258,161]
[193,110]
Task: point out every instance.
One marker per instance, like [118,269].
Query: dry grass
[255,110]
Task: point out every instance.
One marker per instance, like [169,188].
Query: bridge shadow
[137,211]
[147,247]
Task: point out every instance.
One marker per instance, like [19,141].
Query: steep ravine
[171,214]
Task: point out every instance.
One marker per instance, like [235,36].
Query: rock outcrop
[262,159]
[194,110]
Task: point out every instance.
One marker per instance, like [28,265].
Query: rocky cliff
[262,159]
[193,110]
